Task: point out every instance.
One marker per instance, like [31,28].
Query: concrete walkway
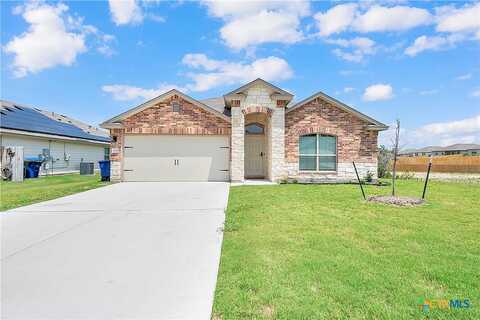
[126,251]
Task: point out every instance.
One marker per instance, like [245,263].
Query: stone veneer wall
[161,119]
[116,155]
[257,99]
[354,141]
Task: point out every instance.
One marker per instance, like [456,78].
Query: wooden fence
[450,164]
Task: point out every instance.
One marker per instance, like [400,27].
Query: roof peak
[264,82]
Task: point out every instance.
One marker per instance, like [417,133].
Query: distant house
[460,149]
[63,141]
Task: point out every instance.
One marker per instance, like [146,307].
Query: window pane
[308,163]
[308,144]
[254,128]
[328,163]
[328,145]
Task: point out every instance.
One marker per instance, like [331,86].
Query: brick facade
[354,141]
[161,119]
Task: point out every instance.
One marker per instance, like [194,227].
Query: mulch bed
[397,201]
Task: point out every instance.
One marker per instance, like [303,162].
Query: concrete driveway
[141,250]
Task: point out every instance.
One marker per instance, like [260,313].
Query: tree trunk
[395,154]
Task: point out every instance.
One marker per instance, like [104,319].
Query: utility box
[12,163]
[86,168]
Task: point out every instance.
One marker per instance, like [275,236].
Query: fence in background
[451,164]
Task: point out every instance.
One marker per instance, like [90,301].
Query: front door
[254,156]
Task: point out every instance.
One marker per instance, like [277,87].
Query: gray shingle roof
[217,103]
[453,147]
[19,117]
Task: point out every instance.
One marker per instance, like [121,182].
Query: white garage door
[176,158]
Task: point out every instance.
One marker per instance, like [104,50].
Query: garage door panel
[176,158]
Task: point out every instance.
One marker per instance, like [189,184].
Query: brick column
[116,155]
[238,140]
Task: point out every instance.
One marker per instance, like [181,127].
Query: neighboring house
[64,141]
[252,132]
[461,149]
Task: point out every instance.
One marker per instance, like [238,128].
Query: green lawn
[17,194]
[320,252]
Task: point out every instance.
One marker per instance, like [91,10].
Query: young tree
[384,157]
[395,154]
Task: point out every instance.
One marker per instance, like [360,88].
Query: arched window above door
[254,128]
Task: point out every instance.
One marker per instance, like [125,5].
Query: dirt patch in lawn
[397,201]
[268,311]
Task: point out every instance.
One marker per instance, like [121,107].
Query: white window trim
[317,155]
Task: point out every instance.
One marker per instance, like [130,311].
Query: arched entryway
[256,146]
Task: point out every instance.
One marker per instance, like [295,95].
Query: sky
[414,61]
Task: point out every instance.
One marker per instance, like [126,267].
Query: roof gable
[247,86]
[114,122]
[374,123]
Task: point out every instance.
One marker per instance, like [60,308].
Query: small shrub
[384,157]
[368,176]
[406,175]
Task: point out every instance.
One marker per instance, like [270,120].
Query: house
[254,131]
[470,149]
[62,141]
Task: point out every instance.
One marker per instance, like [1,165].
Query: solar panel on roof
[27,119]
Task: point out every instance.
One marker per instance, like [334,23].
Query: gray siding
[78,151]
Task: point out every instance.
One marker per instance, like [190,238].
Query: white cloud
[123,92]
[125,12]
[212,73]
[459,24]
[250,23]
[201,61]
[434,43]
[476,93]
[465,19]
[261,28]
[207,74]
[447,133]
[360,18]
[378,92]
[336,20]
[237,8]
[465,126]
[53,38]
[348,89]
[360,47]
[464,76]
[438,133]
[398,18]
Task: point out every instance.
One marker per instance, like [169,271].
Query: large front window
[318,153]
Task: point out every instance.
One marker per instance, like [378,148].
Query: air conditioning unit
[86,168]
